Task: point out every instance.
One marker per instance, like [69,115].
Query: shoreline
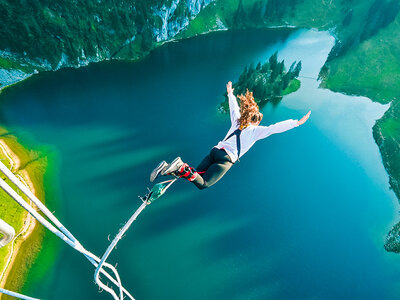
[31,226]
[29,223]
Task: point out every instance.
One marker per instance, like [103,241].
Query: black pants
[215,165]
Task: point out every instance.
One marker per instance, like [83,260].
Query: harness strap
[237,132]
[187,172]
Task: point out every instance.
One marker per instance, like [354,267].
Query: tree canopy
[267,81]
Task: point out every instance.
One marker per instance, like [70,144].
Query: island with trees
[269,82]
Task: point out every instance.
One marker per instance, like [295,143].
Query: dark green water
[302,216]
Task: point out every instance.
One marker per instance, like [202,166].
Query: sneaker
[154,174]
[172,167]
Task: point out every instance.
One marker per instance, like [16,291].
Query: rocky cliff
[42,35]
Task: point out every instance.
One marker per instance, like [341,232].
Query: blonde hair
[249,111]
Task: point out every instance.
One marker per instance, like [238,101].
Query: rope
[59,230]
[157,191]
[112,246]
[14,294]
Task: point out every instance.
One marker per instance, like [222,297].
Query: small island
[269,82]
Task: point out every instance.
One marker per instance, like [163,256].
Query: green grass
[10,211]
[294,85]
[390,128]
[15,215]
[13,64]
[372,69]
[41,271]
[387,136]
[133,51]
[223,10]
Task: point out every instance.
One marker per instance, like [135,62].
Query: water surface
[302,216]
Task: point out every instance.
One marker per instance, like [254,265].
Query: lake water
[302,216]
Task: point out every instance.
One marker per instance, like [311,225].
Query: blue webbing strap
[237,132]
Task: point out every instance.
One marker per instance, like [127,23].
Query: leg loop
[187,172]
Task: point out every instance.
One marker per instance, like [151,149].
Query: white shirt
[250,134]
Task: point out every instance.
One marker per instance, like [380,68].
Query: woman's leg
[214,173]
[205,163]
[177,163]
[209,171]
[218,164]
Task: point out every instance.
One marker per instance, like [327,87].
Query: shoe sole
[154,174]
[171,166]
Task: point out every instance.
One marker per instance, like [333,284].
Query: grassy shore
[294,85]
[17,257]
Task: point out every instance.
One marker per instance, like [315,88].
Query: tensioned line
[59,230]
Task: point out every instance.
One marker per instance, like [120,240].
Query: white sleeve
[262,132]
[233,108]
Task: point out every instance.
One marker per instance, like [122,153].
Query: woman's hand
[304,119]
[229,88]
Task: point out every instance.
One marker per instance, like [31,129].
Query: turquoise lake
[303,215]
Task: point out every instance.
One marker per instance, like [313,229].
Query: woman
[242,135]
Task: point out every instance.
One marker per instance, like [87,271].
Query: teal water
[302,216]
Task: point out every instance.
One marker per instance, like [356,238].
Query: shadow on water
[112,145]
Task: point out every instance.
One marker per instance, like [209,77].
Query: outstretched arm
[233,105]
[305,118]
[262,132]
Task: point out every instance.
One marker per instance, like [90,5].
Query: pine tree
[297,70]
[267,81]
[240,16]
